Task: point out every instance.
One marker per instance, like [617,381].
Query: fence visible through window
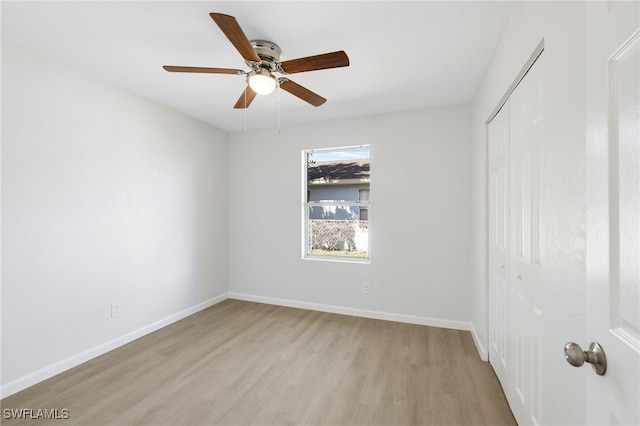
[339,237]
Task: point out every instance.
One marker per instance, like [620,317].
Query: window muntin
[336,213]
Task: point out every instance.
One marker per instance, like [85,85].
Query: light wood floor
[240,363]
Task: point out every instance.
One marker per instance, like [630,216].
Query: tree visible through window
[337,205]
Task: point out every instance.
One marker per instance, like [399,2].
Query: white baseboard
[75,360]
[482,351]
[410,319]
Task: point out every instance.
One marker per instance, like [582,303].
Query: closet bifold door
[527,268]
[498,256]
[516,267]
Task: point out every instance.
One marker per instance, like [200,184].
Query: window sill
[339,259]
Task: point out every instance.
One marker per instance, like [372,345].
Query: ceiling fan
[264,59]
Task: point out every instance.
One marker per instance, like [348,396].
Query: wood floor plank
[243,363]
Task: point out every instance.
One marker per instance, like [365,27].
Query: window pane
[338,202]
[338,236]
[338,175]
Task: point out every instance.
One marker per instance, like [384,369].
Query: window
[337,204]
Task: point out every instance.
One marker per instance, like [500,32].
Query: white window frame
[306,205]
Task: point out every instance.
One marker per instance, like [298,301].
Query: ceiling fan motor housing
[269,52]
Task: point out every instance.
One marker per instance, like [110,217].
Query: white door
[527,269]
[613,209]
[498,256]
[516,268]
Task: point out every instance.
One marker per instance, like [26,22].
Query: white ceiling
[404,55]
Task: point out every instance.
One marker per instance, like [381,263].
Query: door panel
[625,190]
[527,266]
[498,149]
[516,264]
[613,208]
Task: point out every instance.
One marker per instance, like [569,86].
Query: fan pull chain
[245,110]
[279,109]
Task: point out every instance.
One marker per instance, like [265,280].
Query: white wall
[105,197]
[562,27]
[420,218]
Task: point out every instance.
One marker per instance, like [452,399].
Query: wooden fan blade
[302,92]
[316,62]
[246,98]
[234,33]
[172,68]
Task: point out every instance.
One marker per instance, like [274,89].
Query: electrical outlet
[365,288]
[116,309]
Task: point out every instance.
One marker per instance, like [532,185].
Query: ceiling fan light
[262,82]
